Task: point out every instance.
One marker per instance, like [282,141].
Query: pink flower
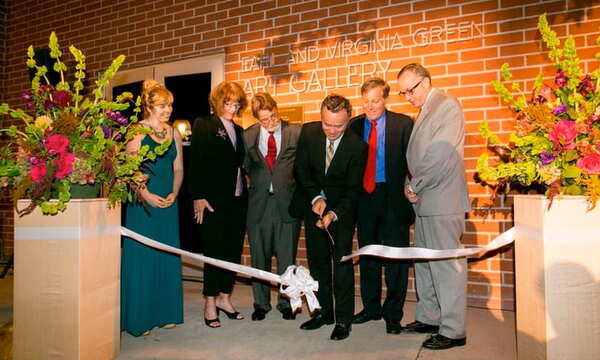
[38,171]
[590,163]
[57,144]
[63,164]
[564,133]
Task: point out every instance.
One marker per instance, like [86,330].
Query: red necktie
[271,151]
[369,178]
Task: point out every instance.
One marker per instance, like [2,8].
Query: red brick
[305,7]
[312,15]
[278,12]
[286,20]
[343,9]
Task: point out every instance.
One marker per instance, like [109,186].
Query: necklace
[160,134]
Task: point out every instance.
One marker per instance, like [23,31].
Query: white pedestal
[557,274]
[66,283]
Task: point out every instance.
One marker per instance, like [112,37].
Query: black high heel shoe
[216,323]
[232,315]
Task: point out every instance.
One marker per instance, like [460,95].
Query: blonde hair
[154,93]
[262,101]
[226,91]
[373,83]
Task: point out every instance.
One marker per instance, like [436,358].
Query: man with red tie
[270,154]
[384,213]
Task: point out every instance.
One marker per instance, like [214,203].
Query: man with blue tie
[329,167]
[384,213]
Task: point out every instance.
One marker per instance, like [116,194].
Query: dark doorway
[191,102]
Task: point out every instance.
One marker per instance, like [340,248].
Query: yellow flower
[43,122]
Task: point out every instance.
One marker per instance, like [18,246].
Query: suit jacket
[435,157]
[398,128]
[281,176]
[215,162]
[342,184]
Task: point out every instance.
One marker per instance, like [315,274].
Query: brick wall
[462,42]
[5,233]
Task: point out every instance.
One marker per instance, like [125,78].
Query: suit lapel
[254,138]
[340,150]
[222,132]
[391,142]
[285,138]
[321,150]
[423,117]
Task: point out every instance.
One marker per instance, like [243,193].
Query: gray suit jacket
[435,157]
[281,176]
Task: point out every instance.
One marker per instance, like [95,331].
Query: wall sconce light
[185,130]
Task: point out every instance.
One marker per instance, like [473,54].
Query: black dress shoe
[393,327]
[340,331]
[363,317]
[316,322]
[288,314]
[440,342]
[259,314]
[422,328]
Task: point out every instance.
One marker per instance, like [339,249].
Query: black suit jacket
[343,182]
[215,162]
[398,128]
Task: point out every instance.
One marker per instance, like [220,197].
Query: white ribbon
[295,282]
[297,279]
[406,253]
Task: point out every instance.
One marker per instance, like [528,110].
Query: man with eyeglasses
[270,154]
[436,186]
[384,214]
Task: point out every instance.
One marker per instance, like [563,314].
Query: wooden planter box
[557,274]
[66,283]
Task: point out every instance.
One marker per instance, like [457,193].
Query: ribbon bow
[295,282]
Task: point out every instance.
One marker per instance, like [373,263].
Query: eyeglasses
[411,90]
[233,105]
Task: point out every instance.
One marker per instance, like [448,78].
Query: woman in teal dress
[151,288]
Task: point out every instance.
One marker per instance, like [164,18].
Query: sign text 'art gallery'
[343,74]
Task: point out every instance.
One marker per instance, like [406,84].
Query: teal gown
[151,288]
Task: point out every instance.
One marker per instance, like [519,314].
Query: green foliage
[557,133]
[93,132]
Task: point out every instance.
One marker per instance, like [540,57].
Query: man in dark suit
[270,154]
[329,166]
[384,213]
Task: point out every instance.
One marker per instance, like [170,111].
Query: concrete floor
[490,335]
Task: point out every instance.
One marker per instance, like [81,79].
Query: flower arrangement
[70,138]
[556,143]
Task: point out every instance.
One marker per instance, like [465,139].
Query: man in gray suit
[436,186]
[271,151]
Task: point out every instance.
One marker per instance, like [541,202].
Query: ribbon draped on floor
[294,282]
[414,253]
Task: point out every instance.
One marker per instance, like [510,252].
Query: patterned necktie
[328,156]
[271,151]
[369,177]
